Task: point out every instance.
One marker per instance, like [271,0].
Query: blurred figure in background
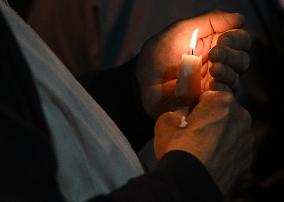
[70,29]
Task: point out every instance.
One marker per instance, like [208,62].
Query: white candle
[188,86]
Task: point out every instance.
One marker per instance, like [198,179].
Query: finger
[216,86]
[224,74]
[238,60]
[235,39]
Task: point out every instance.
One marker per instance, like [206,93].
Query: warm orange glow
[193,39]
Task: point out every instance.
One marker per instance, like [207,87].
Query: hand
[218,134]
[160,58]
[230,59]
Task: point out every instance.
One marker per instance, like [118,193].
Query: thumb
[219,21]
[166,127]
[213,22]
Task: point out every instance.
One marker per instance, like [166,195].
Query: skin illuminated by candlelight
[217,113]
[223,60]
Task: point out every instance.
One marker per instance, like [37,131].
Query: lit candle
[188,85]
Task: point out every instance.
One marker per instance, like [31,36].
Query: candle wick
[192,51]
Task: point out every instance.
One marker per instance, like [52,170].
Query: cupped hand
[221,44]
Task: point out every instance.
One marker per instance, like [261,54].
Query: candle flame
[193,39]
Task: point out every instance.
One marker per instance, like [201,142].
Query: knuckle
[228,74]
[169,119]
[225,98]
[228,97]
[161,119]
[207,95]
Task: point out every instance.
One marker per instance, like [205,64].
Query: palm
[160,60]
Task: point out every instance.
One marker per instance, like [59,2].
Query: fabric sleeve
[178,177]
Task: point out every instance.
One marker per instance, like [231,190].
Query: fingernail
[226,41]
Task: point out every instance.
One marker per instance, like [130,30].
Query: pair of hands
[223,48]
[218,133]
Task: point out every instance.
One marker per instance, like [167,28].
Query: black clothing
[28,165]
[27,161]
[117,92]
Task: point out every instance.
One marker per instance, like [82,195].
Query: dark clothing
[117,93]
[28,164]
